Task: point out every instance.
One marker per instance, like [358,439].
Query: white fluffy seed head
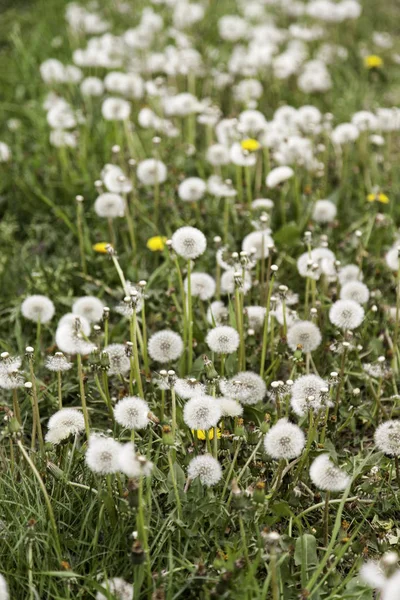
[305,334]
[349,273]
[38,308]
[63,424]
[284,440]
[188,388]
[223,339]
[391,589]
[192,189]
[355,290]
[71,341]
[151,172]
[202,285]
[202,412]
[109,205]
[58,363]
[132,464]
[256,316]
[372,574]
[324,211]
[165,346]
[346,314]
[387,437]
[217,313]
[88,307]
[117,587]
[132,413]
[246,387]
[102,455]
[306,394]
[327,476]
[189,242]
[230,407]
[4,594]
[207,468]
[392,259]
[257,242]
[119,361]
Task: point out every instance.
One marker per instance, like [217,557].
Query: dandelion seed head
[165,346]
[132,413]
[325,475]
[188,388]
[202,285]
[38,308]
[88,307]
[346,314]
[387,437]
[119,360]
[355,290]
[207,468]
[284,440]
[307,394]
[109,205]
[192,189]
[258,243]
[4,594]
[133,465]
[217,313]
[324,211]
[63,424]
[58,363]
[117,587]
[256,316]
[230,407]
[202,412]
[372,574]
[151,172]
[223,339]
[71,341]
[246,387]
[305,334]
[189,242]
[102,455]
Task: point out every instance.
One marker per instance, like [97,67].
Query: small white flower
[132,413]
[284,440]
[207,468]
[165,346]
[327,476]
[223,339]
[38,308]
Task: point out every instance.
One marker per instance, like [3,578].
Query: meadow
[200,308]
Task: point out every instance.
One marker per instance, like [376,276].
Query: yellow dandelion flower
[201,434]
[101,247]
[250,145]
[378,197]
[373,61]
[156,243]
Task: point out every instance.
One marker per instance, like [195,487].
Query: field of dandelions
[200,300]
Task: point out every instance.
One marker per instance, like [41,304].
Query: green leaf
[305,553]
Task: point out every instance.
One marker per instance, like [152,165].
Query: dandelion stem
[83,397]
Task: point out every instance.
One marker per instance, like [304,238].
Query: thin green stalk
[83,396]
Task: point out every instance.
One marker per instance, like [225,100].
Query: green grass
[214,546]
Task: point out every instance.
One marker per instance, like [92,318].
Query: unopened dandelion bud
[14,426]
[28,386]
[239,430]
[104,361]
[259,492]
[98,184]
[79,198]
[132,162]
[235,255]
[156,140]
[128,348]
[167,436]
[4,355]
[358,233]
[211,373]
[274,268]
[217,240]
[272,538]
[250,332]
[289,382]
[142,283]
[115,149]
[138,555]
[374,308]
[356,392]
[334,374]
